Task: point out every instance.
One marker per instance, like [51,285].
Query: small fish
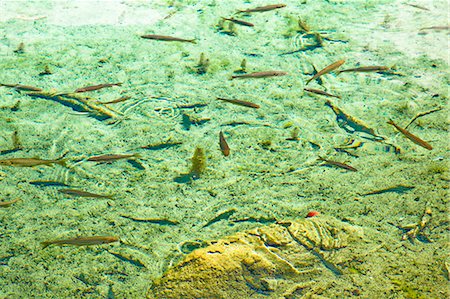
[436,28]
[396,189]
[326,70]
[263,8]
[373,68]
[338,164]
[260,75]
[240,103]
[30,162]
[82,241]
[4,204]
[411,137]
[159,146]
[225,215]
[239,22]
[48,184]
[121,99]
[111,157]
[321,92]
[22,87]
[136,164]
[224,145]
[168,38]
[82,193]
[161,221]
[127,258]
[417,6]
[97,87]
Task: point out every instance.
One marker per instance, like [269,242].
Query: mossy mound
[285,260]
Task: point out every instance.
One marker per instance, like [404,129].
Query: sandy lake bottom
[273,171]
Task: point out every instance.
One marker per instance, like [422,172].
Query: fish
[338,164]
[168,38]
[161,221]
[4,204]
[82,241]
[263,8]
[48,184]
[81,193]
[97,87]
[22,87]
[260,75]
[397,189]
[326,70]
[121,99]
[224,145]
[436,28]
[240,103]
[159,146]
[411,137]
[417,6]
[321,92]
[225,215]
[111,157]
[372,68]
[127,258]
[239,22]
[30,162]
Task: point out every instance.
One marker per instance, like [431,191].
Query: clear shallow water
[265,176]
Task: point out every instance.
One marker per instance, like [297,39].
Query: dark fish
[96,87]
[222,216]
[417,6]
[9,151]
[372,68]
[326,70]
[239,22]
[136,164]
[127,258]
[22,87]
[167,38]
[223,145]
[436,28]
[111,157]
[321,92]
[48,184]
[82,193]
[395,189]
[160,221]
[159,146]
[263,8]
[411,137]
[82,241]
[240,103]
[260,75]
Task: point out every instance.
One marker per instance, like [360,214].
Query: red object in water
[312,214]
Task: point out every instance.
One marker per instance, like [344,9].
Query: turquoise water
[272,173]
